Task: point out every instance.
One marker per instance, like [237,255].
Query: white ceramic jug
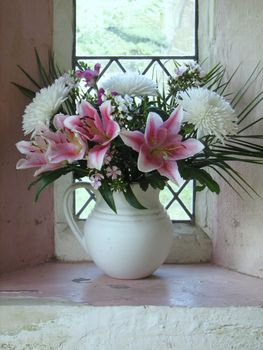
[131,244]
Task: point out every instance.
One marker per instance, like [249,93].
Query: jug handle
[67,208]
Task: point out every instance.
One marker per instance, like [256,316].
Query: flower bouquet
[127,130]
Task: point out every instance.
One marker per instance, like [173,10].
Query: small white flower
[44,105]
[194,66]
[120,101]
[210,113]
[122,109]
[191,67]
[108,158]
[68,80]
[113,172]
[128,99]
[180,71]
[132,84]
[95,180]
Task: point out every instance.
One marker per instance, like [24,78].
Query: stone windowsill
[75,306]
[171,285]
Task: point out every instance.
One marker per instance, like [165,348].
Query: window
[137,35]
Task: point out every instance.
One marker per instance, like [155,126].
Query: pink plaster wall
[234,224]
[26,228]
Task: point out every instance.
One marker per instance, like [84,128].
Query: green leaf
[131,199]
[225,179]
[44,179]
[29,77]
[228,169]
[224,86]
[244,88]
[187,129]
[53,70]
[247,144]
[249,108]
[199,188]
[250,125]
[156,180]
[144,185]
[201,176]
[46,80]
[27,92]
[107,195]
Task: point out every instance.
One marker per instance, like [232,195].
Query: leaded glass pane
[135,27]
[145,36]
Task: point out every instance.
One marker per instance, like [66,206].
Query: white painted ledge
[58,306]
[67,327]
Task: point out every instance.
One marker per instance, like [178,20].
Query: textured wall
[231,33]
[26,228]
[79,327]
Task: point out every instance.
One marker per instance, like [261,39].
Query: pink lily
[161,145]
[51,150]
[63,145]
[35,153]
[101,130]
[58,121]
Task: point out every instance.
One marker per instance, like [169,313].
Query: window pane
[146,28]
[135,27]
[178,201]
[84,201]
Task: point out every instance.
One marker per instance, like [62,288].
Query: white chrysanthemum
[44,105]
[131,84]
[210,113]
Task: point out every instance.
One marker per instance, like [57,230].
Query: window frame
[66,246]
[153,59]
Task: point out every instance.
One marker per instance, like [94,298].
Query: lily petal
[147,162]
[73,123]
[133,139]
[35,160]
[154,121]
[173,123]
[161,136]
[105,110]
[57,137]
[188,148]
[112,129]
[71,150]
[85,109]
[170,170]
[25,147]
[48,167]
[96,156]
[59,120]
[59,152]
